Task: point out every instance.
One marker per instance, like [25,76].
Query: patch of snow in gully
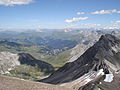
[109,78]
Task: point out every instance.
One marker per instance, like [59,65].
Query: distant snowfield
[109,78]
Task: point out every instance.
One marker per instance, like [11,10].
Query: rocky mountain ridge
[103,56]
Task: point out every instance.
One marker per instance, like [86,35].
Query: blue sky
[59,13]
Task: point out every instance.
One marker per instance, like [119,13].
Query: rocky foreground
[9,83]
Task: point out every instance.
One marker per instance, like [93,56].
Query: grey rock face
[78,50]
[104,54]
[9,60]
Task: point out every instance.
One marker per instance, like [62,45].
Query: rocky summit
[99,60]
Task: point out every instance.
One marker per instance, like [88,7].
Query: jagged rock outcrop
[104,55]
[9,60]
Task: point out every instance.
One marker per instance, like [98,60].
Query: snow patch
[109,78]
[115,49]
[100,72]
[99,89]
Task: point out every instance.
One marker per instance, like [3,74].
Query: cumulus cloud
[79,13]
[15,2]
[106,11]
[117,22]
[75,19]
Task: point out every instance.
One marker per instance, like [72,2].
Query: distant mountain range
[50,45]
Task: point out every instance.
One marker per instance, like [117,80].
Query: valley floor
[10,83]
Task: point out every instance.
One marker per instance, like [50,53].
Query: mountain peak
[109,37]
[104,55]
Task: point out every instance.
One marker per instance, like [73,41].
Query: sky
[58,14]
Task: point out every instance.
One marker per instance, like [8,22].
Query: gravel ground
[10,83]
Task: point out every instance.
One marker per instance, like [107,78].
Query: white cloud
[117,22]
[15,2]
[111,27]
[75,19]
[106,11]
[79,13]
